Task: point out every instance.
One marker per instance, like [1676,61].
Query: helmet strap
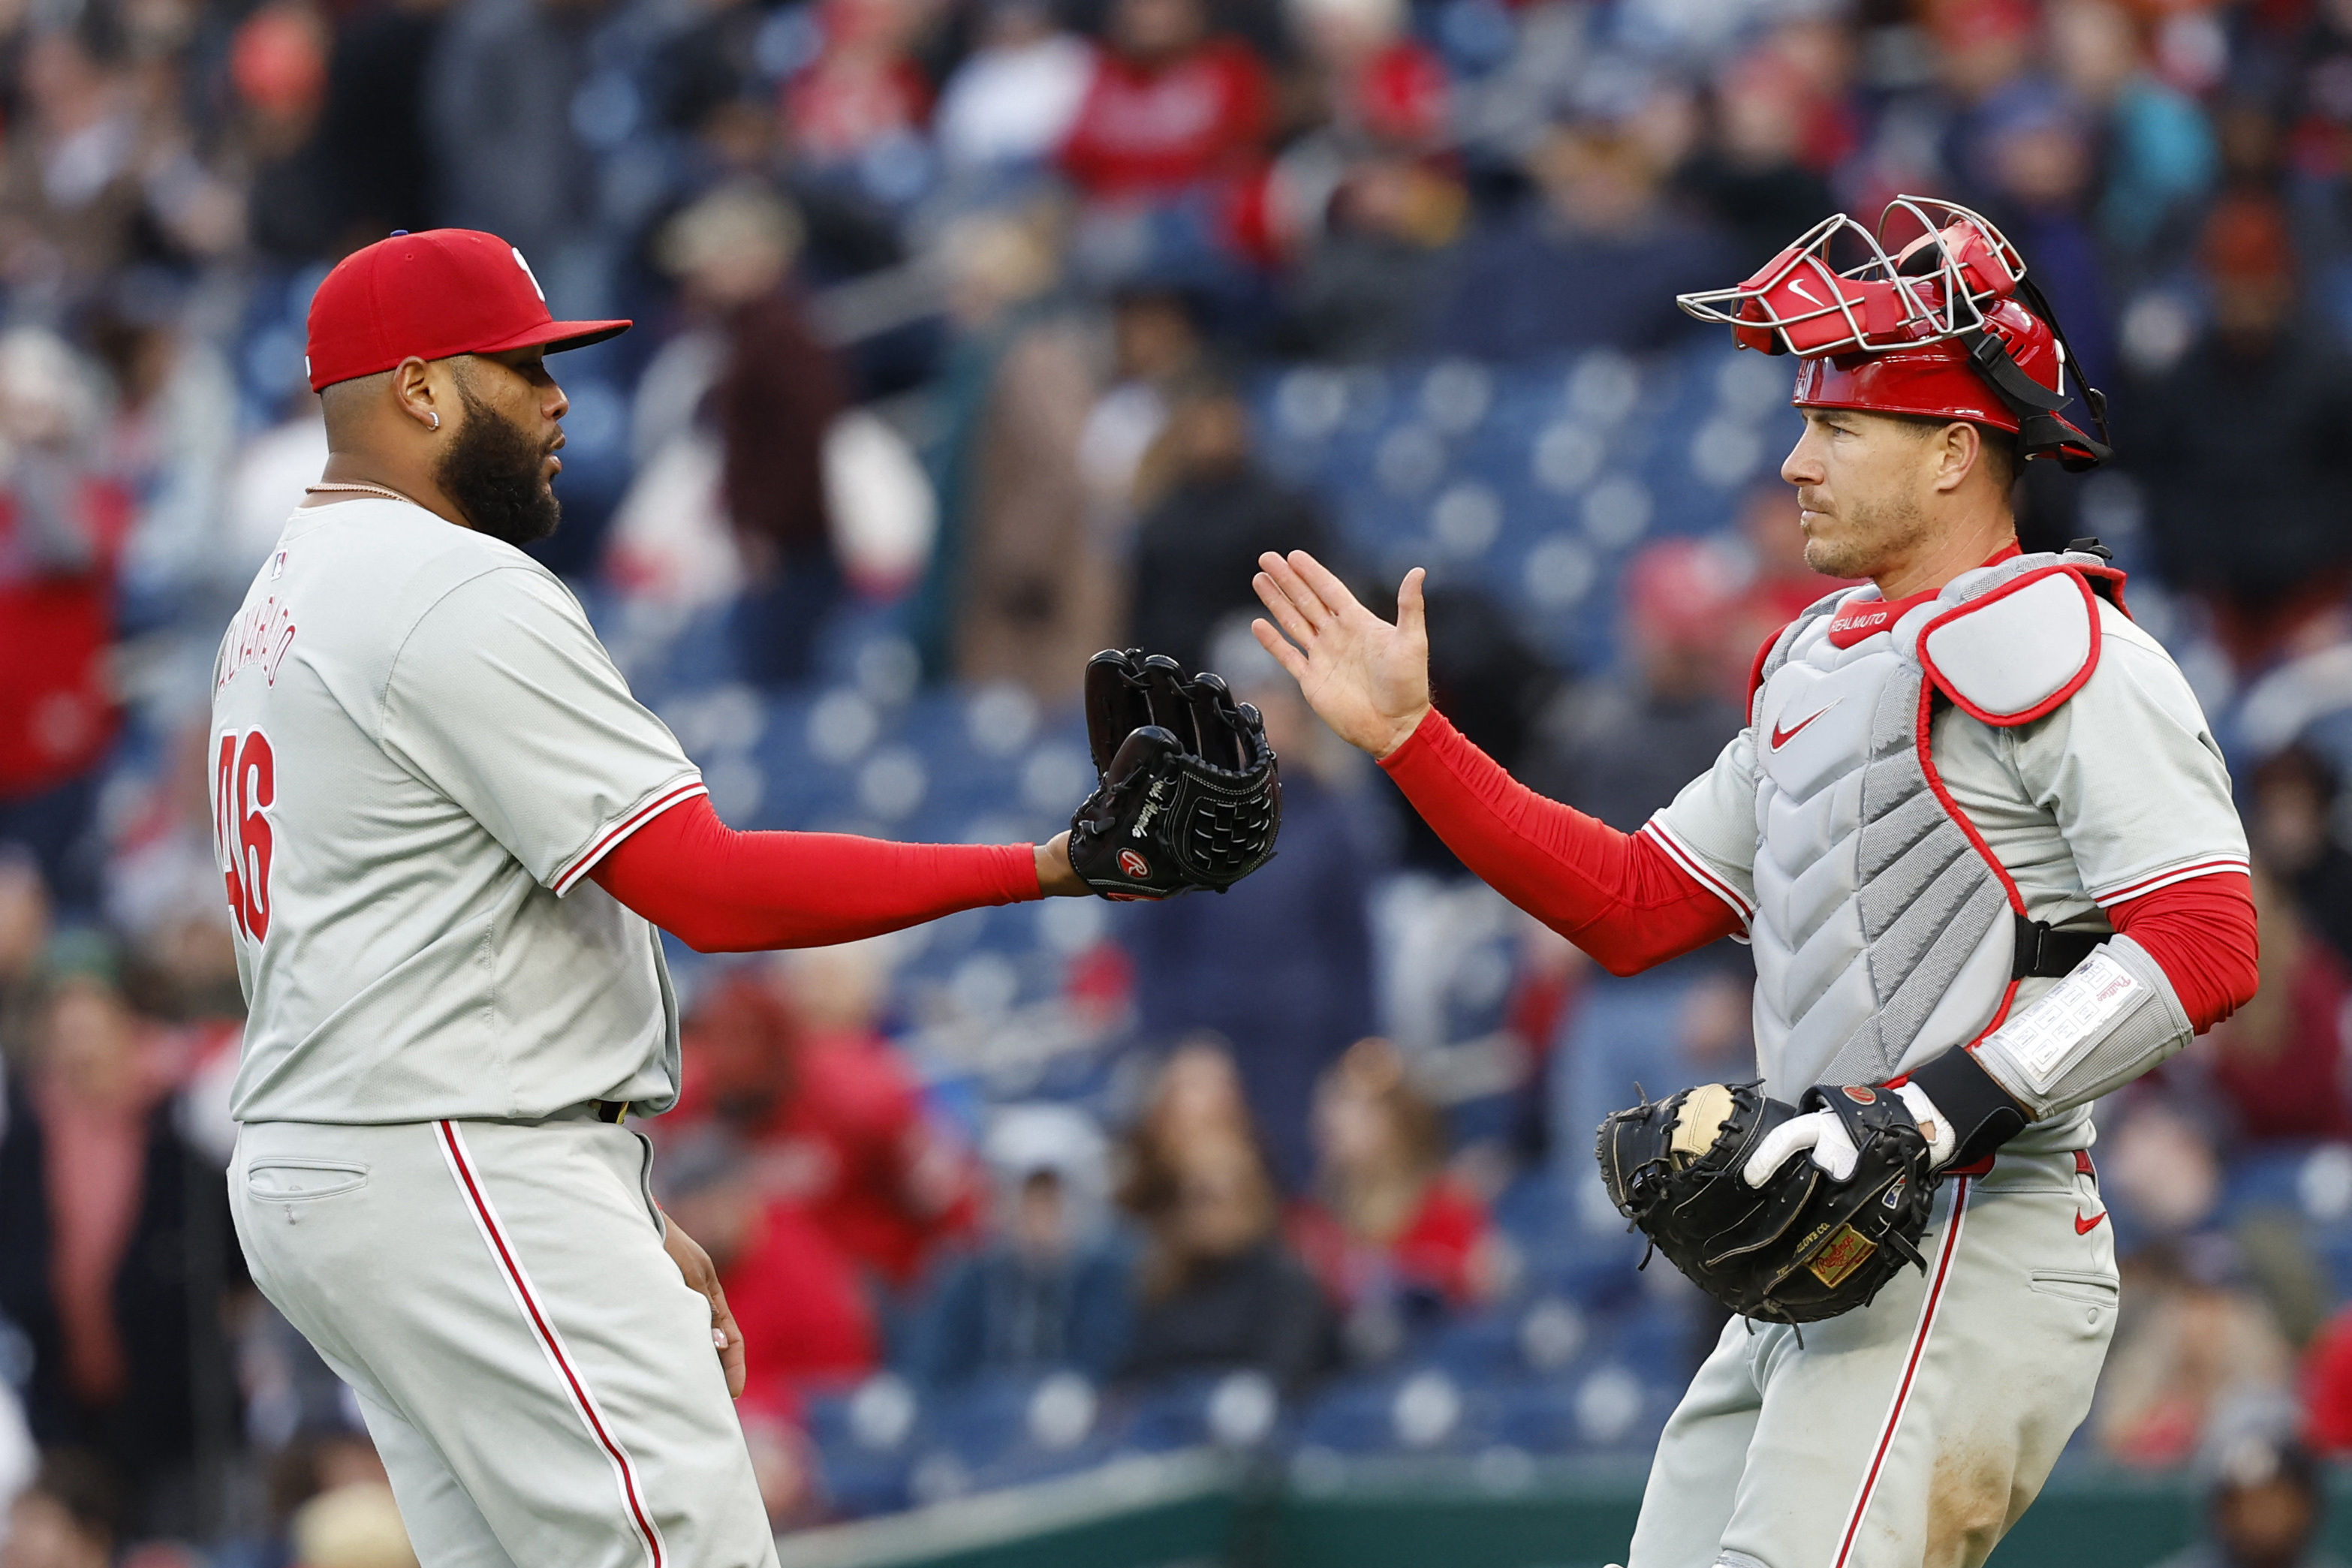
[2040,427]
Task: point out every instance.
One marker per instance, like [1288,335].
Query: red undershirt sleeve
[1619,896]
[2202,933]
[719,891]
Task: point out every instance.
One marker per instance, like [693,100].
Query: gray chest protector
[1885,930]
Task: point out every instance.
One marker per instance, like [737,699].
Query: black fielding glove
[1189,797]
[1799,1246]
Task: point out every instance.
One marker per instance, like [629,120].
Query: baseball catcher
[1982,841]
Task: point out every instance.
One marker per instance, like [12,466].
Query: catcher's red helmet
[1946,326]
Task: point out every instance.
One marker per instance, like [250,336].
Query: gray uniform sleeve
[502,698]
[2131,774]
[1710,828]
[2137,784]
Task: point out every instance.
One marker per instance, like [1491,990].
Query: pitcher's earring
[434,418]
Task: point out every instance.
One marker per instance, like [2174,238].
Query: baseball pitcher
[446,834]
[1984,848]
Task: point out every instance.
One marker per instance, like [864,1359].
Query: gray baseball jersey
[419,751]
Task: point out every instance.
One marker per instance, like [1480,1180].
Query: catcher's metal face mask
[1930,314]
[1840,288]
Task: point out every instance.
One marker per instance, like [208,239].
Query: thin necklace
[365,489]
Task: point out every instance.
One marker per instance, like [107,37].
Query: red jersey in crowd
[837,109]
[1146,131]
[1437,1250]
[2284,1072]
[873,1173]
[1398,95]
[2328,1387]
[836,1126]
[56,622]
[862,88]
[797,1302]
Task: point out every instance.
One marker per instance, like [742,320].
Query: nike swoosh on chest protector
[1781,737]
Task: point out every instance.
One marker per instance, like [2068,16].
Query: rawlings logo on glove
[1189,793]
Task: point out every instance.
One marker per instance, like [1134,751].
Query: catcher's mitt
[1188,795]
[1802,1246]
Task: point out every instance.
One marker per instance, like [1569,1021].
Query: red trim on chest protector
[1755,666]
[1923,739]
[2048,705]
[1866,618]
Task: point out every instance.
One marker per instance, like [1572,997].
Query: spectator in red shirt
[1394,1239]
[863,94]
[1170,109]
[788,1284]
[60,526]
[787,1281]
[835,1122]
[1382,86]
[2279,1061]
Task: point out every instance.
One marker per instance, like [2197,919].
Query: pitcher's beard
[491,468]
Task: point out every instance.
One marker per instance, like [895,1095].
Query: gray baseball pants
[536,1374]
[1913,1433]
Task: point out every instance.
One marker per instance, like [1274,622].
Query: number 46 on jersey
[245,782]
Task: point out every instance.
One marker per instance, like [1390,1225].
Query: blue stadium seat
[1424,1410]
[1233,1408]
[1537,481]
[867,1442]
[2269,1178]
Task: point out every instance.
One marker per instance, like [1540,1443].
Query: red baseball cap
[434,294]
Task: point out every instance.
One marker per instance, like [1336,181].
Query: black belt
[2047,954]
[610,1109]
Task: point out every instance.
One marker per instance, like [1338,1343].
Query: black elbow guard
[1982,1114]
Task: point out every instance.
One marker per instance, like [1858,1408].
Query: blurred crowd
[975,335]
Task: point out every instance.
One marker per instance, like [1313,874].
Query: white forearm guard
[2112,1018]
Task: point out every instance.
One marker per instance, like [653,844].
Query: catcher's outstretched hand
[1365,678]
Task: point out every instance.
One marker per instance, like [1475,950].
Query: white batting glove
[1934,1126]
[1832,1147]
[1819,1130]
